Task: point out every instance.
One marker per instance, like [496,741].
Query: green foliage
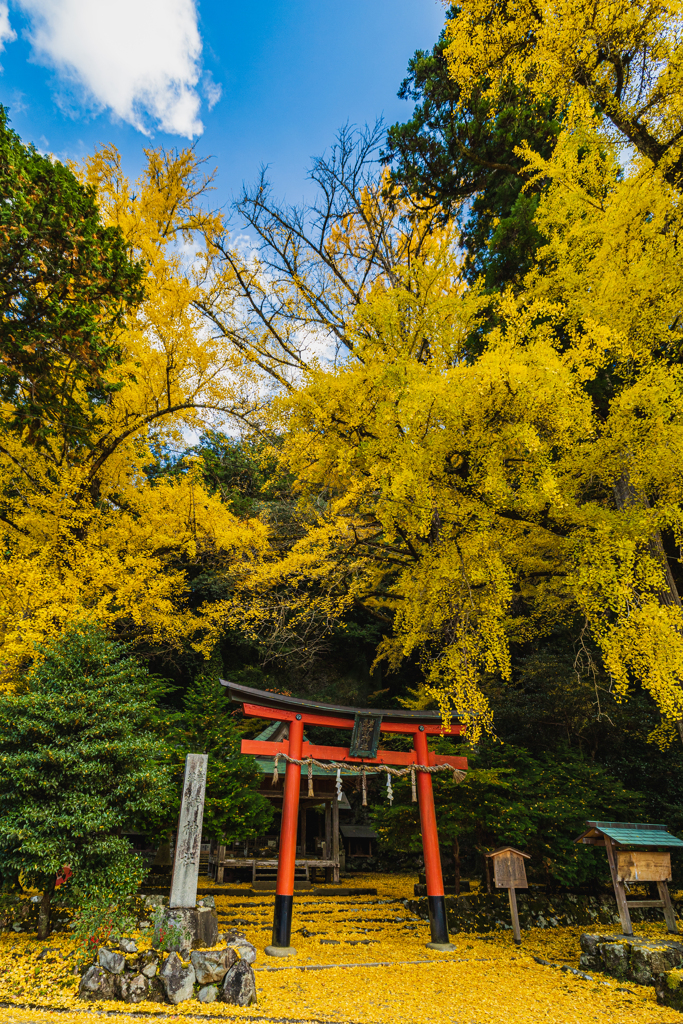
[105,904]
[233,808]
[79,764]
[462,158]
[243,471]
[537,803]
[66,282]
[168,936]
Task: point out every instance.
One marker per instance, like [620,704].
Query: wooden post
[516,933]
[335,839]
[284,893]
[430,847]
[669,915]
[328,838]
[488,876]
[619,891]
[303,807]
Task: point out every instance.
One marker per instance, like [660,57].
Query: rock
[239,987]
[647,962]
[178,981]
[245,949]
[134,988]
[149,962]
[157,991]
[591,958]
[669,989]
[206,928]
[150,903]
[208,994]
[589,943]
[212,966]
[111,961]
[97,983]
[615,956]
[231,935]
[128,945]
[632,958]
[207,901]
[171,931]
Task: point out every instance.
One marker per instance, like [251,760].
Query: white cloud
[7,34]
[139,58]
[212,90]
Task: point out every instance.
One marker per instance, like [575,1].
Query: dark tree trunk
[44,924]
[456,865]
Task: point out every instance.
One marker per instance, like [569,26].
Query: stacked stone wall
[490,912]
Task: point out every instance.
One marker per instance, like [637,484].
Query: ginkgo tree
[621,59]
[84,532]
[473,499]
[468,496]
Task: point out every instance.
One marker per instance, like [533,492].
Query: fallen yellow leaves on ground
[360,960]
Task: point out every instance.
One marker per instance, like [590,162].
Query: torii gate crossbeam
[299,713]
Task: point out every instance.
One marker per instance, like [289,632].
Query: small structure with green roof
[637,852]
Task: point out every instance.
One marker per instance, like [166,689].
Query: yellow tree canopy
[84,532]
[469,501]
[623,59]
[469,505]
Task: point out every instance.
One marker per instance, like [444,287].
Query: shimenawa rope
[364,770]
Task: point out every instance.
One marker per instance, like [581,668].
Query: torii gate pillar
[297,712]
[284,892]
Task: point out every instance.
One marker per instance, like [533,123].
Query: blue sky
[253,83]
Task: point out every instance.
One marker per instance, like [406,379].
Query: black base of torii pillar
[366,725]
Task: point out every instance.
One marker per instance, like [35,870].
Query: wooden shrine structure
[263,866]
[366,725]
[632,860]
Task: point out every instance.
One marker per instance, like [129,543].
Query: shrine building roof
[358,832]
[267,764]
[629,833]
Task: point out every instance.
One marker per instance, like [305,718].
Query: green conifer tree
[79,765]
[233,807]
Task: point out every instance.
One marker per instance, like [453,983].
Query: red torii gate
[367,723]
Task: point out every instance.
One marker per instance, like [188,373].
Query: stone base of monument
[217,975]
[184,928]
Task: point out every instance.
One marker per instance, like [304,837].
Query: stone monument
[189,838]
[189,925]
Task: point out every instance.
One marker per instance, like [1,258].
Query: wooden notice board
[643,866]
[648,862]
[509,871]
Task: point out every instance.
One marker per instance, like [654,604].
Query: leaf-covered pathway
[360,960]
